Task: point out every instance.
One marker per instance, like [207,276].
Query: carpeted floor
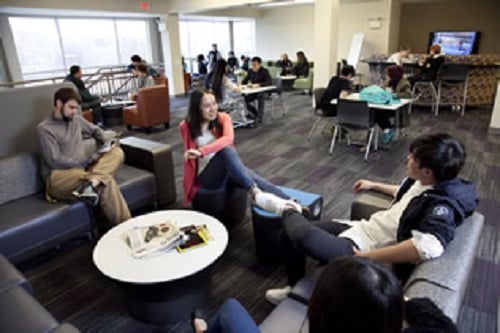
[68,284]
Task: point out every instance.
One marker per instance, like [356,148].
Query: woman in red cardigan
[211,161]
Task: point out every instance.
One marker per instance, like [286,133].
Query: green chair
[274,71]
[305,83]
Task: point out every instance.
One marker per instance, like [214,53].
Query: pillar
[172,53]
[326,29]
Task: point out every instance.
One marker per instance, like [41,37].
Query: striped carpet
[70,287]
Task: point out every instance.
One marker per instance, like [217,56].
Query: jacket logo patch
[440,211]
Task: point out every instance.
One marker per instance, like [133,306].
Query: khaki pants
[61,183]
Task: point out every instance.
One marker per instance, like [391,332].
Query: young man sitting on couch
[428,206]
[67,172]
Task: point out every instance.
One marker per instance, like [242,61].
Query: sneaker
[276,296]
[87,193]
[274,204]
[387,135]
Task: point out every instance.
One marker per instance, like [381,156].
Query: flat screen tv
[456,42]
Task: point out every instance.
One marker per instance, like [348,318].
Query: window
[244,38]
[197,36]
[37,44]
[88,42]
[49,46]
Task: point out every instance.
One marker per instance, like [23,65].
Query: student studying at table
[257,76]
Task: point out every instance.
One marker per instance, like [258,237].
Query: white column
[326,28]
[495,115]
[172,53]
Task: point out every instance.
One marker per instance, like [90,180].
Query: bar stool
[421,87]
[454,75]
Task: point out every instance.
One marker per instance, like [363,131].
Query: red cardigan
[224,139]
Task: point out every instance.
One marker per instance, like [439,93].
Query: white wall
[285,29]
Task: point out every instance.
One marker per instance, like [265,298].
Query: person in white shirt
[399,56]
[428,205]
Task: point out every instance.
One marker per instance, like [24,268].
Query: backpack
[375,95]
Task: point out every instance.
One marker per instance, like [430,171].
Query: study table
[396,107]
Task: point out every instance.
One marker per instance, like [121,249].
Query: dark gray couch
[21,312]
[443,280]
[31,225]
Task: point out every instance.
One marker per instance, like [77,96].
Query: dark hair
[142,68]
[217,79]
[231,53]
[258,59]
[300,54]
[441,153]
[348,70]
[136,58]
[200,57]
[243,57]
[395,74]
[74,69]
[356,295]
[194,118]
[66,94]
[404,48]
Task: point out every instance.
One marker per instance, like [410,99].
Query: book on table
[194,236]
[145,240]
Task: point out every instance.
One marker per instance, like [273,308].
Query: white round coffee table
[163,288]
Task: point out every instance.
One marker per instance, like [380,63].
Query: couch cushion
[22,313]
[31,224]
[288,316]
[10,277]
[457,258]
[19,176]
[137,186]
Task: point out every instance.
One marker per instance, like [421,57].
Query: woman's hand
[362,185]
[191,154]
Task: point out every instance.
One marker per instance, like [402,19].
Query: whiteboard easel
[355,50]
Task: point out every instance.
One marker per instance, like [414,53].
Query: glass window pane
[37,44]
[88,42]
[133,38]
[244,38]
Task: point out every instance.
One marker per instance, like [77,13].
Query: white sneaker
[276,296]
[274,204]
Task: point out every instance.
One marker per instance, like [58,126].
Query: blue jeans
[232,317]
[226,169]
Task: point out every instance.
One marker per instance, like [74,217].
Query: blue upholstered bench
[268,226]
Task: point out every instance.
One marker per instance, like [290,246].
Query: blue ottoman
[228,205]
[268,226]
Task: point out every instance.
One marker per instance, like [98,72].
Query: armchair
[152,108]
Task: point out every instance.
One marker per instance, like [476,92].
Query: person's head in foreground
[66,103]
[356,295]
[435,158]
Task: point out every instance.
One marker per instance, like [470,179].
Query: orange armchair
[152,108]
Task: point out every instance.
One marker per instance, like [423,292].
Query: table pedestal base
[170,302]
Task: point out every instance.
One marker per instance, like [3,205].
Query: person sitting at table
[226,91]
[257,76]
[136,60]
[144,80]
[244,62]
[88,101]
[354,295]
[429,66]
[338,87]
[399,86]
[399,56]
[302,66]
[232,61]
[211,160]
[285,64]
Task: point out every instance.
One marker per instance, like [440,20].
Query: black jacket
[87,97]
[430,69]
[301,69]
[437,211]
[262,77]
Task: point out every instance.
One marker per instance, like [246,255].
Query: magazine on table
[145,240]
[194,236]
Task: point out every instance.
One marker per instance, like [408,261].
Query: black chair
[454,75]
[355,115]
[317,96]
